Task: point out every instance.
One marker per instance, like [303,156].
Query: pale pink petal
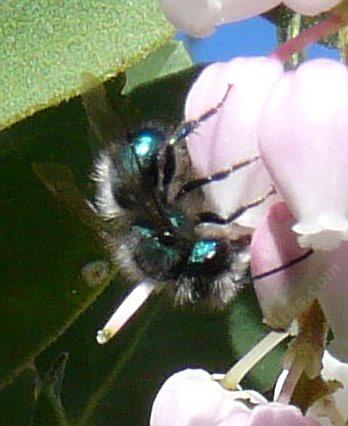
[237,10]
[193,398]
[274,414]
[199,18]
[303,142]
[311,7]
[283,295]
[230,135]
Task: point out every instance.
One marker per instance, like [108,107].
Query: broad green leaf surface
[43,251]
[46,45]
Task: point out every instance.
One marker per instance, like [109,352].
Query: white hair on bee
[106,179]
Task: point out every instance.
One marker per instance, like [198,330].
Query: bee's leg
[287,265]
[181,133]
[188,127]
[220,175]
[211,217]
[169,170]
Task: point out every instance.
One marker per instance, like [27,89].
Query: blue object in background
[251,37]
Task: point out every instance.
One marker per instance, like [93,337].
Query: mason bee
[151,214]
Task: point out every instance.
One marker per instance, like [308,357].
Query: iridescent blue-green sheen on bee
[142,149]
[203,250]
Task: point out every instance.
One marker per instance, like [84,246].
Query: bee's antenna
[136,298]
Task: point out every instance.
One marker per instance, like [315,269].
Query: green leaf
[18,395]
[48,409]
[46,45]
[169,59]
[246,329]
[44,246]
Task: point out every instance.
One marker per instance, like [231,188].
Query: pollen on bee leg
[126,310]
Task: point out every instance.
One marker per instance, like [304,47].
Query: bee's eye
[203,251]
[144,145]
[140,155]
[147,141]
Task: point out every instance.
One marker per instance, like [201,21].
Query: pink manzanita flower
[199,18]
[230,136]
[284,295]
[303,142]
[194,398]
[302,128]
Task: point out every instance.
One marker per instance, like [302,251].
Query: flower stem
[343,39]
[291,381]
[309,36]
[294,29]
[233,377]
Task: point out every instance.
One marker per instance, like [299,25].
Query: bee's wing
[110,130]
[107,125]
[60,181]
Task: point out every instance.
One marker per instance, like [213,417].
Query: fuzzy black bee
[154,221]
